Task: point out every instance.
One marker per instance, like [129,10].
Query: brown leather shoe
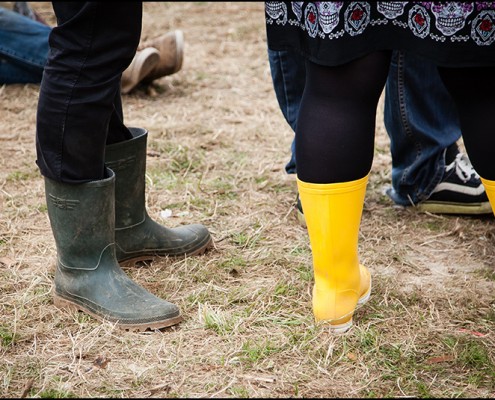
[143,62]
[171,48]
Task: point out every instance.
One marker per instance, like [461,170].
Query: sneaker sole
[455,208]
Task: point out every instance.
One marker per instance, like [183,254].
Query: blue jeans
[289,76]
[420,127]
[23,48]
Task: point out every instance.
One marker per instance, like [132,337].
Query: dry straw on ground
[217,149]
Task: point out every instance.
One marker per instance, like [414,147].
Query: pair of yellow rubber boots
[333,216]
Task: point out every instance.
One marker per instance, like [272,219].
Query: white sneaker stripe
[470,191]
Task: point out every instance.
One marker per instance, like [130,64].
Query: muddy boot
[137,236]
[88,276]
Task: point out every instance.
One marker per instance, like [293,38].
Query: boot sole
[342,328]
[63,303]
[455,208]
[130,262]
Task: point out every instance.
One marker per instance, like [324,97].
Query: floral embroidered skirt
[455,34]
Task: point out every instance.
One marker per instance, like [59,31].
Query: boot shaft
[82,219]
[128,160]
[137,236]
[333,217]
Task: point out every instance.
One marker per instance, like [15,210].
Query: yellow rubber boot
[490,191]
[333,216]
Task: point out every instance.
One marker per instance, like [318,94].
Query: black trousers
[79,108]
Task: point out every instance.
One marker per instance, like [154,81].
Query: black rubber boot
[88,276]
[137,236]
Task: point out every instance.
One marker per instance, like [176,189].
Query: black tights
[473,91]
[336,124]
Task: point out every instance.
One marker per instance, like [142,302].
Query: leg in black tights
[336,124]
[473,91]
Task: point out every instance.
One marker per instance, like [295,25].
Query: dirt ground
[217,149]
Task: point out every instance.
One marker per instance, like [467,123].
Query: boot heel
[340,328]
[339,325]
[60,302]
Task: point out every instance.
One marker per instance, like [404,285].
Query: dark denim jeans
[420,127]
[23,48]
[79,107]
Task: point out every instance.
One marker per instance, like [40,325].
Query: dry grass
[217,149]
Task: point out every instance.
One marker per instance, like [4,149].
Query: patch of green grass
[219,322]
[223,188]
[56,394]
[475,355]
[487,273]
[239,392]
[261,180]
[434,225]
[201,204]
[17,176]
[240,239]
[490,316]
[256,351]
[7,337]
[301,338]
[450,341]
[368,340]
[305,272]
[83,318]
[391,355]
[282,289]
[233,261]
[247,239]
[300,250]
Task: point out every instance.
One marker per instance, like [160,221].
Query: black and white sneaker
[460,191]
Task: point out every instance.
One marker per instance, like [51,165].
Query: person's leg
[137,236]
[288,72]
[334,148]
[79,98]
[23,48]
[80,83]
[472,90]
[423,126]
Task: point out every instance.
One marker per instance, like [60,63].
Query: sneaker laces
[463,167]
